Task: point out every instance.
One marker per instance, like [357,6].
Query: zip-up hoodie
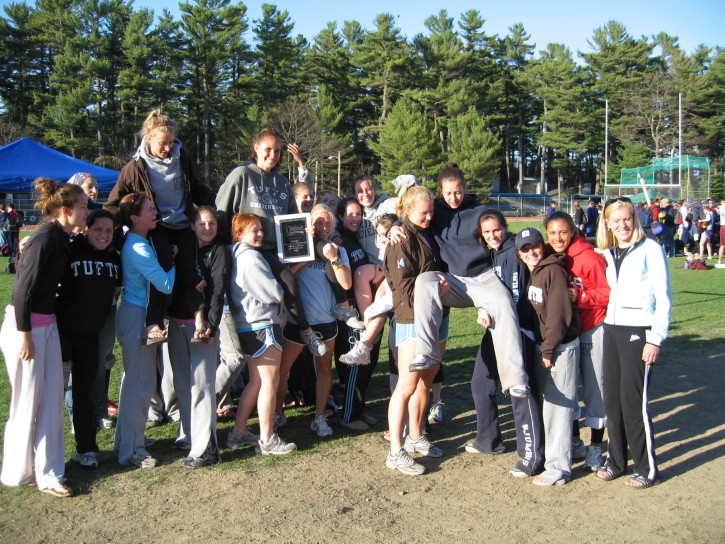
[134,178]
[454,231]
[515,276]
[256,297]
[587,270]
[249,189]
[640,295]
[549,295]
[404,262]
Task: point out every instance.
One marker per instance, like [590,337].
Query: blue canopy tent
[24,160]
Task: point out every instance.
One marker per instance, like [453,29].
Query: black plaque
[294,243]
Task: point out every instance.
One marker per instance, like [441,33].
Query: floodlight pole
[606,141]
[679,143]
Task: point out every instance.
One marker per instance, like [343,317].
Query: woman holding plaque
[259,188]
[320,302]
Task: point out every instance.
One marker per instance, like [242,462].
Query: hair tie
[161,125]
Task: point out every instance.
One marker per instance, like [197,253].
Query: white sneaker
[314,342]
[321,427]
[423,446]
[595,459]
[422,362]
[86,460]
[404,463]
[358,355]
[435,414]
[275,446]
[349,316]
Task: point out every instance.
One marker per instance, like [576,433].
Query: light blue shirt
[140,268]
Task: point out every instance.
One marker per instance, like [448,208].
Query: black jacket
[40,269]
[517,279]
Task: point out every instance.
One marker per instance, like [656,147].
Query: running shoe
[247,438]
[314,342]
[86,460]
[402,462]
[435,414]
[280,420]
[349,316]
[423,446]
[595,459]
[321,427]
[275,446]
[358,355]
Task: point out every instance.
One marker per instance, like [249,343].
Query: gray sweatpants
[484,291]
[231,362]
[558,385]
[591,362]
[139,365]
[194,366]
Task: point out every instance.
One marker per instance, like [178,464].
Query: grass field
[697,332]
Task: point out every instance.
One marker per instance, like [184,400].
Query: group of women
[193,263]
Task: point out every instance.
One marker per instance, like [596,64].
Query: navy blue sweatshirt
[454,232]
[86,292]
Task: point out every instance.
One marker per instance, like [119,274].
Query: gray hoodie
[265,194]
[256,297]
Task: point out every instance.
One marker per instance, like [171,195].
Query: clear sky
[571,22]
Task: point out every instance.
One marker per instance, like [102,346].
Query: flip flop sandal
[609,474]
[646,482]
[148,341]
[58,489]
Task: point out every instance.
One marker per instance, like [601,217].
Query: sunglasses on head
[618,199]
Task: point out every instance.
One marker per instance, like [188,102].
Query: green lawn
[698,298]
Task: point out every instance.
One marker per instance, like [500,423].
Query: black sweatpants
[527,412]
[82,349]
[626,394]
[188,273]
[355,379]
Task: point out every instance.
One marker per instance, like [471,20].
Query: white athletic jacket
[641,295]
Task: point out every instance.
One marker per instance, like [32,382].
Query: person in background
[33,445]
[721,251]
[579,217]
[552,208]
[637,321]
[592,216]
[708,228]
[89,184]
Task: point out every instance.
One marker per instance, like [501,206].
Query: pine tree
[476,150]
[407,143]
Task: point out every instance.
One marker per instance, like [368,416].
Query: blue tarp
[24,160]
